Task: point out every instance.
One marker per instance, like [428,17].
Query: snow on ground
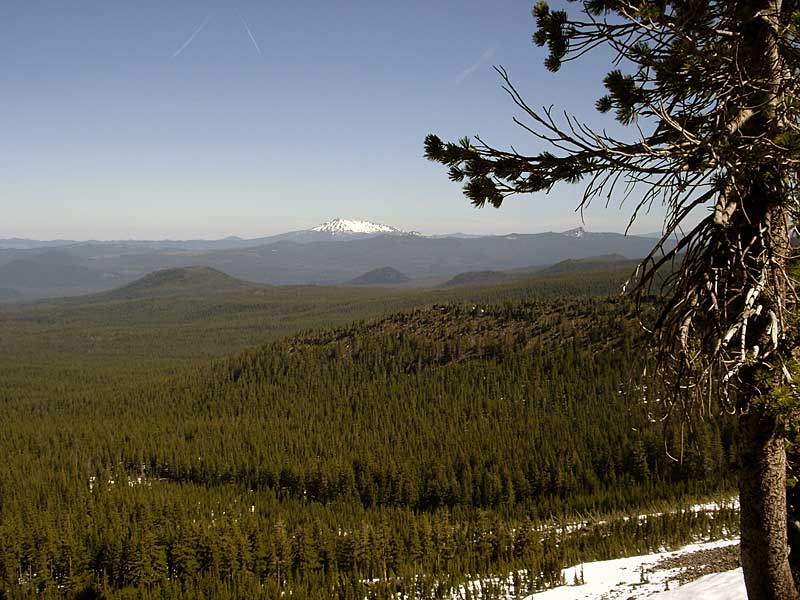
[732,502]
[624,578]
[707,507]
[719,586]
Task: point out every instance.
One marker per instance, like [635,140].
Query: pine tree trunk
[762,493]
[794,547]
[793,501]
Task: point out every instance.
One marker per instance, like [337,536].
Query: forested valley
[339,443]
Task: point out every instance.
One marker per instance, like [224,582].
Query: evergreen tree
[710,90]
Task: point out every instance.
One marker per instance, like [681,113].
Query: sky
[207,118]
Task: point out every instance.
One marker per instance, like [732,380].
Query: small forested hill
[383,275]
[448,333]
[199,281]
[476,278]
[587,265]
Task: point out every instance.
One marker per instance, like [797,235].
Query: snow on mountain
[578,232]
[351,226]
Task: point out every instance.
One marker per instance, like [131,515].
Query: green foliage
[406,454]
[551,31]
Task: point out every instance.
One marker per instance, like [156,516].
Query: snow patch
[623,578]
[731,503]
[719,586]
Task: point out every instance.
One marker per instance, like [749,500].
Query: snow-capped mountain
[578,232]
[339,230]
[352,226]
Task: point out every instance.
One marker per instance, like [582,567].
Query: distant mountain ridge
[337,252]
[337,229]
[27,244]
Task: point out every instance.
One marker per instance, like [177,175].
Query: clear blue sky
[207,118]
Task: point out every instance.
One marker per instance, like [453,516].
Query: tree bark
[762,494]
[793,508]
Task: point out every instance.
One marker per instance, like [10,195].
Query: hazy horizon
[272,233]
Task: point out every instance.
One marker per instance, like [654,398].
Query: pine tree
[709,89]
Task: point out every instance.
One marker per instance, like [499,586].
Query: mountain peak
[578,232]
[338,226]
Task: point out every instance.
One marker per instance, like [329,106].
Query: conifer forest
[340,442]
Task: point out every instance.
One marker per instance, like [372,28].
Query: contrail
[471,69]
[250,33]
[191,37]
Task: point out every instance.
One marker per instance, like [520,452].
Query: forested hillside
[405,453]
